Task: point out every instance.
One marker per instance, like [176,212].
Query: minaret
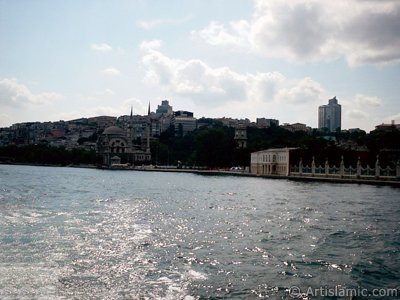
[148,130]
[129,149]
[131,128]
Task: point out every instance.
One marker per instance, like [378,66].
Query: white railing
[359,172]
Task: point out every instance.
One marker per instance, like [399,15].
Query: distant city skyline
[239,59]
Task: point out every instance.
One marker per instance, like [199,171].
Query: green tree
[214,147]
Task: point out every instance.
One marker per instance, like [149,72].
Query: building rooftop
[113,130]
[276,149]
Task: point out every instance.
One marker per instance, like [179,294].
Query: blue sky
[244,59]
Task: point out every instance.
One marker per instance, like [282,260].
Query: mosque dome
[113,130]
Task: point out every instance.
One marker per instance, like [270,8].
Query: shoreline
[206,172]
[293,178]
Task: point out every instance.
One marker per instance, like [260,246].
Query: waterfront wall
[358,172]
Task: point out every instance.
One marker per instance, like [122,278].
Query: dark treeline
[44,154]
[211,146]
[214,146]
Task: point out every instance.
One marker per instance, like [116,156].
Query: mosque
[116,146]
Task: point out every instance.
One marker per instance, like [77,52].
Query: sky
[62,60]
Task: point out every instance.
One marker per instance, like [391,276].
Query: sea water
[68,233]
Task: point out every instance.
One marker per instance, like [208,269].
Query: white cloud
[97,95]
[101,47]
[395,118]
[151,44]
[5,120]
[265,86]
[312,30]
[139,107]
[200,82]
[218,91]
[13,93]
[218,34]
[362,111]
[104,93]
[363,100]
[155,23]
[111,71]
[356,114]
[124,108]
[304,91]
[104,111]
[108,92]
[193,79]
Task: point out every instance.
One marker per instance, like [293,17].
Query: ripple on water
[141,235]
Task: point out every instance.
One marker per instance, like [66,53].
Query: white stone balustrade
[385,173]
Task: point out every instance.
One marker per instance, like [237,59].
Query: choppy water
[91,234]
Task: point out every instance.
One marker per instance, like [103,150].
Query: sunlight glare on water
[79,233]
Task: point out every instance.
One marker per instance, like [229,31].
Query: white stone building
[271,162]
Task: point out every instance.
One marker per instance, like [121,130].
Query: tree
[214,147]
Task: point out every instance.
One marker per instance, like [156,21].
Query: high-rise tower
[330,116]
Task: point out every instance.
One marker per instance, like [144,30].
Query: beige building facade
[271,162]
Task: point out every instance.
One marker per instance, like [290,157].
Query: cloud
[265,86]
[104,111]
[97,95]
[218,34]
[363,100]
[108,92]
[311,30]
[356,114]
[193,79]
[218,91]
[111,71]
[360,111]
[5,120]
[395,118]
[151,44]
[14,94]
[124,108]
[155,23]
[139,107]
[101,47]
[197,81]
[304,91]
